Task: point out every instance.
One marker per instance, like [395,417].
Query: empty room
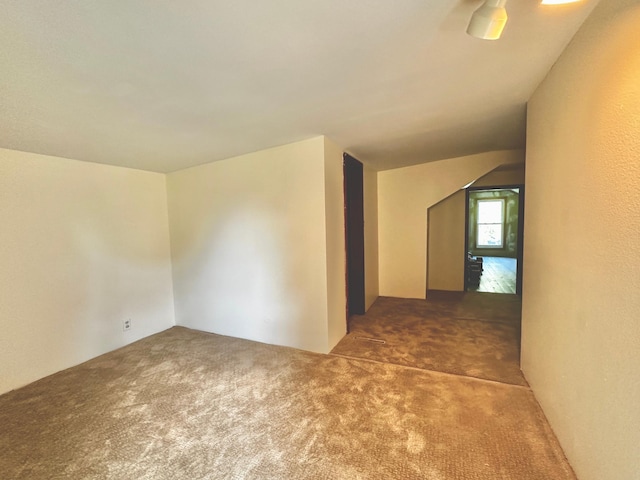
[320,240]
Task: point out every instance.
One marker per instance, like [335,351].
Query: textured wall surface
[404,195]
[82,247]
[580,332]
[446,244]
[371,270]
[335,250]
[249,246]
[512,176]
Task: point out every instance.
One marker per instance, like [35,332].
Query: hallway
[473,337]
[472,334]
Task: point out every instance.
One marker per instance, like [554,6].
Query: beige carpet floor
[475,334]
[184,404]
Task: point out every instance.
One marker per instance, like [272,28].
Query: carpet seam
[437,372]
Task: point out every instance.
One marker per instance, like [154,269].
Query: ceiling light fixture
[557,2]
[488,21]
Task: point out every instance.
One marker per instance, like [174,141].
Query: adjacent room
[346,240]
[494,231]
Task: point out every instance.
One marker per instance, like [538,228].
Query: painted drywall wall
[83,246]
[511,176]
[249,245]
[446,243]
[580,330]
[335,250]
[371,287]
[404,195]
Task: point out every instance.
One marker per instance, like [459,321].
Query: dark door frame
[354,234]
[520,246]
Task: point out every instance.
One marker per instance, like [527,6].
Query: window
[490,223]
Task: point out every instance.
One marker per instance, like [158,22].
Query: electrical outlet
[126,324]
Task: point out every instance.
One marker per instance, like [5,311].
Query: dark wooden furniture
[473,270]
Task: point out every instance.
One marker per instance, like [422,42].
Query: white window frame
[501,224]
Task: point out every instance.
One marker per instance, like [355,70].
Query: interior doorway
[494,230]
[354,234]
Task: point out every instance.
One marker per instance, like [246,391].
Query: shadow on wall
[242,274]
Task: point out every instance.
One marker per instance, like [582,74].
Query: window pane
[490,235]
[490,211]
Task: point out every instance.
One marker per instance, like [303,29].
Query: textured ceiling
[164,85]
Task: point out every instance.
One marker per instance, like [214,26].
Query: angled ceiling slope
[166,85]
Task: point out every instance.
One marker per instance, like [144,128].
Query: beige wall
[511,176]
[580,332]
[255,252]
[82,247]
[446,243]
[404,195]
[371,286]
[336,250]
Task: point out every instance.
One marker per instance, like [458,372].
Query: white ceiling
[163,85]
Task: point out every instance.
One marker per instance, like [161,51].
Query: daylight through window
[490,223]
